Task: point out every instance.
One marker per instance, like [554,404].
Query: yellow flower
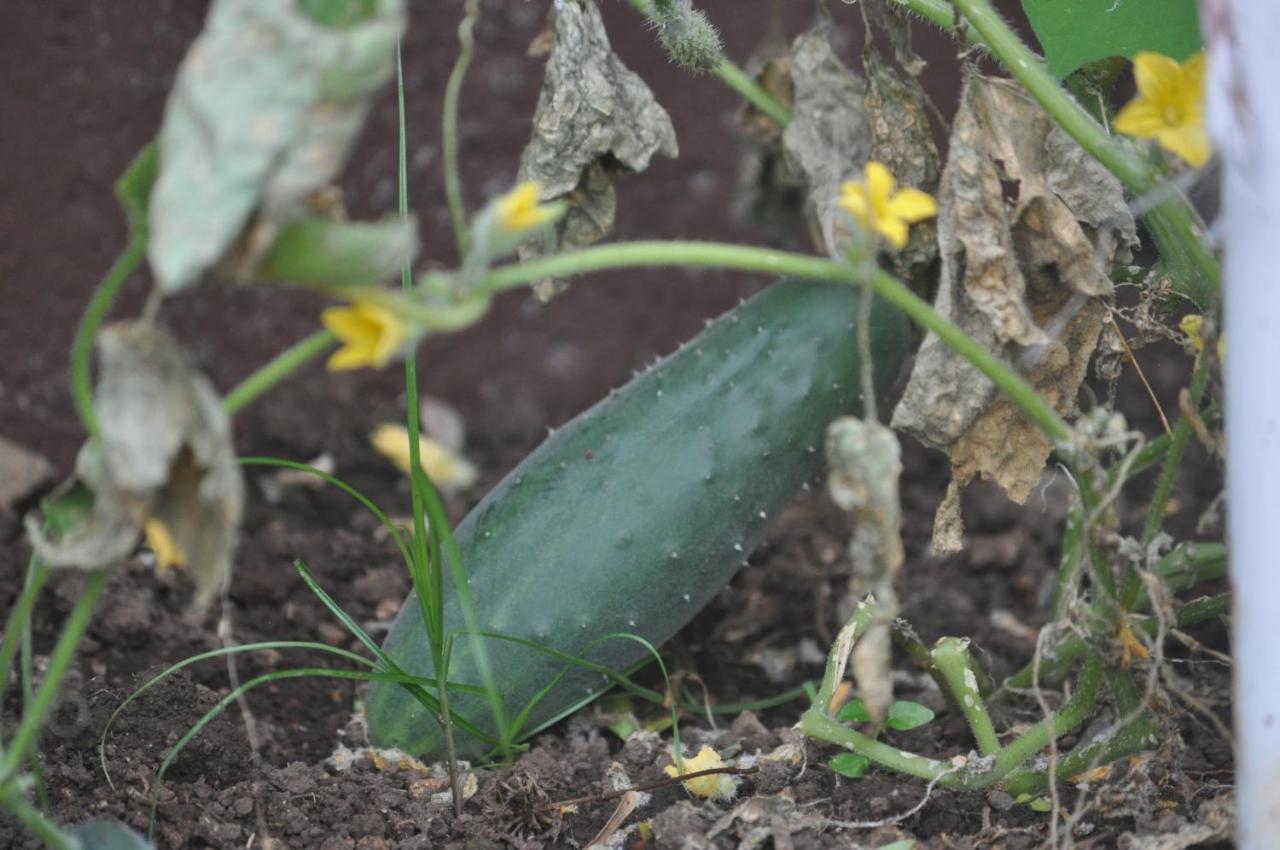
[519,209]
[370,335]
[876,205]
[717,786]
[161,542]
[1169,107]
[1192,325]
[442,466]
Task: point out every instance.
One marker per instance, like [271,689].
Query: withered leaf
[827,141]
[265,107]
[1028,228]
[902,139]
[164,452]
[595,118]
[865,465]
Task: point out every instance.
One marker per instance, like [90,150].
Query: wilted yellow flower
[1192,325]
[370,335]
[875,204]
[717,786]
[442,466]
[1169,107]
[519,210]
[161,542]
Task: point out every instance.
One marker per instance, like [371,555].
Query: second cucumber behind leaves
[631,517]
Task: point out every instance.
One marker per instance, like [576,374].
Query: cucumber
[631,517]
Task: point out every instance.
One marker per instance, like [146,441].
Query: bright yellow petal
[349,357]
[853,197]
[441,465]
[1193,74]
[879,183]
[519,210]
[1140,118]
[1193,325]
[912,205]
[346,322]
[1189,141]
[716,786]
[390,333]
[894,230]
[1158,77]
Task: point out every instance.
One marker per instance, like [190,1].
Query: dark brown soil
[86,83]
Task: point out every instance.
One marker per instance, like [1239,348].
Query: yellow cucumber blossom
[1169,107]
[370,335]
[717,786]
[160,541]
[880,209]
[520,210]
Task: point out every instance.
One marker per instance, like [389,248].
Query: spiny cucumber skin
[631,517]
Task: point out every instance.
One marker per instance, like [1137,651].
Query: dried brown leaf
[595,119]
[164,452]
[1028,227]
[827,141]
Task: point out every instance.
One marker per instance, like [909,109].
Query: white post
[1243,42]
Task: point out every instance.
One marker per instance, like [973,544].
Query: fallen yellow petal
[442,466]
[717,786]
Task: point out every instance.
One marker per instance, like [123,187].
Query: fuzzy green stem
[752,92]
[449,126]
[1073,555]
[752,259]
[1172,222]
[99,305]
[277,369]
[31,817]
[59,661]
[943,15]
[951,657]
[838,657]
[816,724]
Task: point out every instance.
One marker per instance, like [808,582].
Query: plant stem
[752,92]
[815,723]
[277,369]
[838,657]
[99,305]
[943,15]
[951,657]
[449,126]
[747,258]
[59,661]
[1172,222]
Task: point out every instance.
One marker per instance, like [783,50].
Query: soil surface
[287,768]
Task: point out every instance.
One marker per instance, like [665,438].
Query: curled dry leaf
[164,452]
[902,139]
[1028,228]
[865,465]
[264,109]
[827,141]
[595,119]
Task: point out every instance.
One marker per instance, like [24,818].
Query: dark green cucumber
[634,515]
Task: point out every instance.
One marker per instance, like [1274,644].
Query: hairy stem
[951,657]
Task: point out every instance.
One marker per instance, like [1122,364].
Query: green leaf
[904,715]
[854,712]
[340,253]
[851,765]
[1076,32]
[133,188]
[1040,804]
[109,835]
